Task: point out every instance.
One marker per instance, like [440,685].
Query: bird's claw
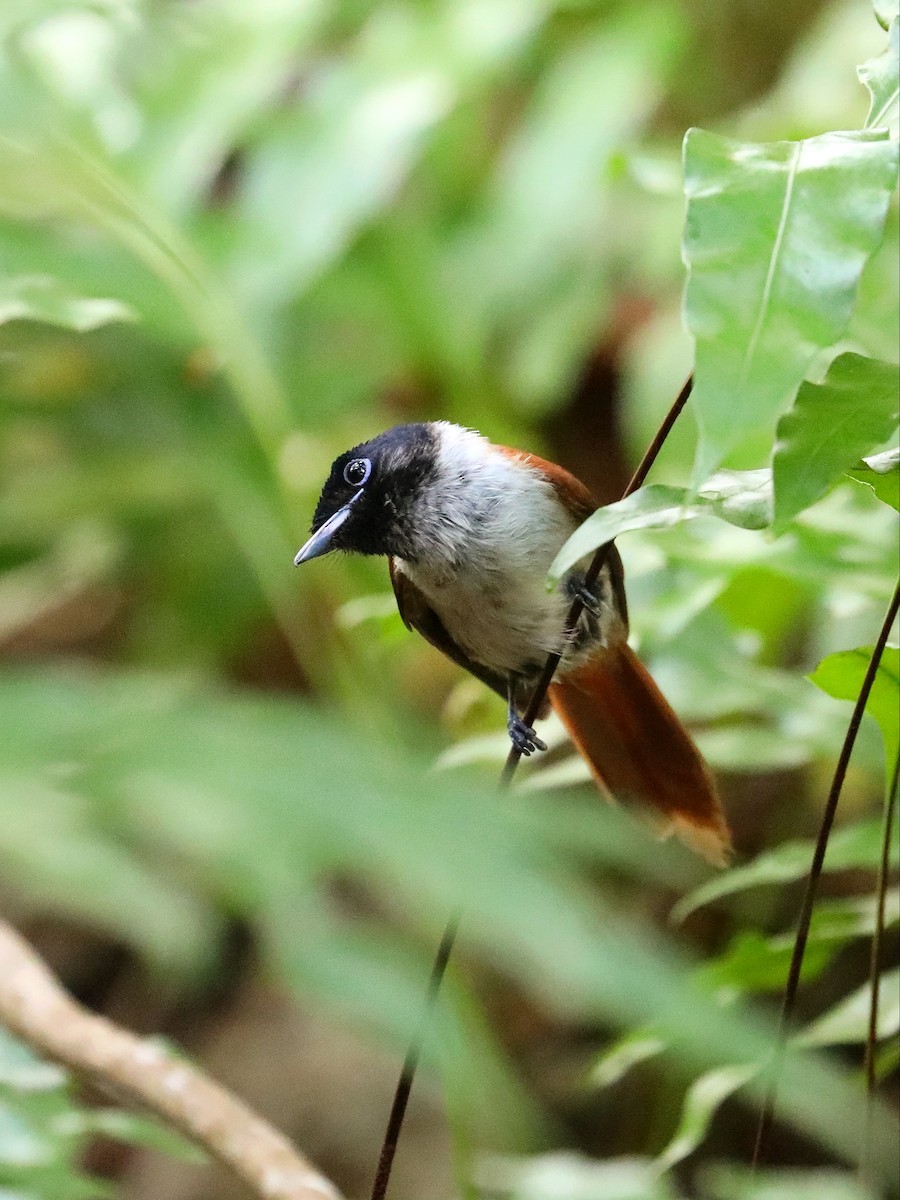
[589,601]
[523,737]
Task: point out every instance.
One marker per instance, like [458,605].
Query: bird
[470,529]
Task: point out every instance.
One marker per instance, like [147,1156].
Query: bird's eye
[357,471]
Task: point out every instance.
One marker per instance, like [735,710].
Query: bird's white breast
[489,527]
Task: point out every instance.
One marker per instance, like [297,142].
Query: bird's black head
[367,503]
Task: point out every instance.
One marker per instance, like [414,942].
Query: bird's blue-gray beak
[320,542]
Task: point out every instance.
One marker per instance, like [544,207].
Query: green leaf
[841,675]
[848,1022]
[41,1133]
[742,498]
[570,1176]
[754,963]
[135,1130]
[829,427]
[22,1071]
[653,507]
[776,238]
[42,298]
[732,1182]
[627,1052]
[880,76]
[881,473]
[703,1099]
[855,846]
[241,792]
[331,164]
[886,11]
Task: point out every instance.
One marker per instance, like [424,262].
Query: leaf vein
[874,118]
[774,260]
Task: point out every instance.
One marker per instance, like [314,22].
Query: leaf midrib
[774,261]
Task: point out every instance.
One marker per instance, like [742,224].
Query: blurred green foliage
[44,1132]
[236,239]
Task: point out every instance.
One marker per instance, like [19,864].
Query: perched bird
[470,530]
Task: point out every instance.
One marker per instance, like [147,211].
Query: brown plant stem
[445,949]
[411,1062]
[884,870]
[812,883]
[139,1071]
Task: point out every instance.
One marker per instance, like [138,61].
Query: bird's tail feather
[637,748]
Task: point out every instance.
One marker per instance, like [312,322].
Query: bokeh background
[235,240]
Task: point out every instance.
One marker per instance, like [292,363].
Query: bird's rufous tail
[637,748]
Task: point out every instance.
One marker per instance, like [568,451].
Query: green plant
[234,239]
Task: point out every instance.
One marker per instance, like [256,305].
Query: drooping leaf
[848,1021]
[627,1052]
[704,1097]
[881,77]
[742,498]
[841,675]
[857,845]
[776,239]
[881,473]
[829,427]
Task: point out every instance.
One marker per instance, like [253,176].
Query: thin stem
[439,967]
[591,576]
[411,1062]
[884,870]
[812,883]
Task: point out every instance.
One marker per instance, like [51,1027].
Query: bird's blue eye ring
[357,471]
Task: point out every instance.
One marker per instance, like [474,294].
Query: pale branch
[141,1073]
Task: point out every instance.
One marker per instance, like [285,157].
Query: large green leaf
[880,75]
[742,498]
[841,675]
[776,238]
[830,426]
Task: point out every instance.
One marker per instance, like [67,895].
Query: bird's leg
[522,736]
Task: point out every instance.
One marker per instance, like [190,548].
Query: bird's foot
[523,737]
[588,599]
